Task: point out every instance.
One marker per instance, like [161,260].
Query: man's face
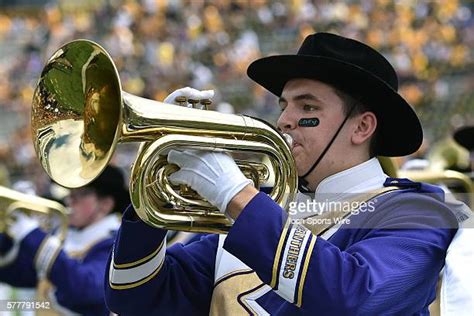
[305,98]
[85,207]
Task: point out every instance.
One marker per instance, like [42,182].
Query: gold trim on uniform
[133,274]
[281,243]
[138,283]
[305,270]
[243,300]
[139,261]
[227,275]
[226,293]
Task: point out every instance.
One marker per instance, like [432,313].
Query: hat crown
[351,52]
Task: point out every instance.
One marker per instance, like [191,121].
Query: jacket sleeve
[381,271]
[79,282]
[16,265]
[144,277]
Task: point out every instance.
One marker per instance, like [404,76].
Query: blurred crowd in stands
[161,45]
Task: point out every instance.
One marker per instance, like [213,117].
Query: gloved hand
[189,93]
[213,175]
[22,226]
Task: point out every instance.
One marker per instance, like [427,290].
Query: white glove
[22,226]
[213,175]
[189,93]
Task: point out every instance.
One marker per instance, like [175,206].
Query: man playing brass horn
[68,277]
[340,105]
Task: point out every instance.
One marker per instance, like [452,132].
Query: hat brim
[399,129]
[465,137]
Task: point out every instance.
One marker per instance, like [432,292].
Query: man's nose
[286,121]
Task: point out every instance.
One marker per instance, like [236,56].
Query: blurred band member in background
[457,286]
[70,276]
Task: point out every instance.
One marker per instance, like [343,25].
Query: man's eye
[308,107]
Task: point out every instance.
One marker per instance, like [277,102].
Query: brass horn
[432,175]
[12,201]
[80,113]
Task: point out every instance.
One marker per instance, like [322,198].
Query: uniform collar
[78,240]
[361,178]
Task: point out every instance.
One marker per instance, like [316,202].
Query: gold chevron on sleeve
[140,261]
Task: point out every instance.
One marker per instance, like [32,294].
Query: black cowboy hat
[464,136]
[359,71]
[111,182]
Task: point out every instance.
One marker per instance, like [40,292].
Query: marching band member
[457,286]
[339,102]
[70,276]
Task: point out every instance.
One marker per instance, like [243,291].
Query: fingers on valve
[182,158]
[190,97]
[206,94]
[185,92]
[176,157]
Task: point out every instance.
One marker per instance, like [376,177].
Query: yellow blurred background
[161,45]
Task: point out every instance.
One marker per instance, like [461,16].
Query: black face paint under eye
[308,122]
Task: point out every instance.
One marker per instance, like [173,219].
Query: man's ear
[365,128]
[107,204]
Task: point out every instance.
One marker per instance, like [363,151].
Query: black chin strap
[302,183]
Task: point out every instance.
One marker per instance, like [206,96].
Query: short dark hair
[352,102]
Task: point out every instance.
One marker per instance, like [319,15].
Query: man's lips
[292,141]
[295,144]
